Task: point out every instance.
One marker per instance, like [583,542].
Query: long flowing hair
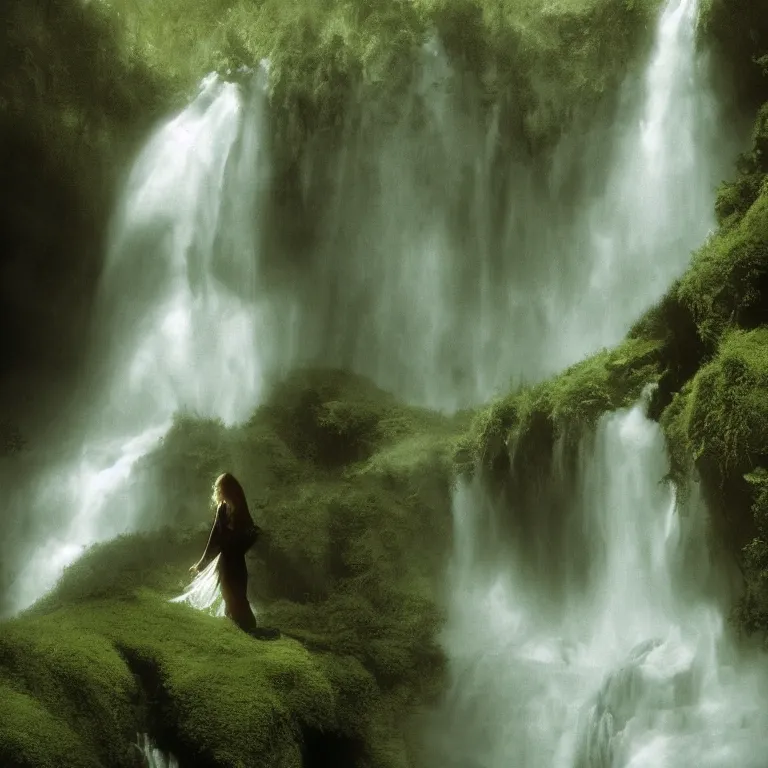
[227,489]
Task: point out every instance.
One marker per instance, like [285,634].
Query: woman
[233,533]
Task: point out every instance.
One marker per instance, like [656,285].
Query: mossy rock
[529,421]
[727,283]
[723,416]
[718,425]
[214,696]
[79,687]
[354,547]
[104,670]
[32,736]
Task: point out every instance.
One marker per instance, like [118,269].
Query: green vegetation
[527,423]
[351,487]
[727,284]
[723,413]
[752,611]
[72,107]
[322,51]
[353,491]
[737,30]
[103,671]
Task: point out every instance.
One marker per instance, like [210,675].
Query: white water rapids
[444,272]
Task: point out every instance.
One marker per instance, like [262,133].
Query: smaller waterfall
[153,757]
[635,671]
[181,322]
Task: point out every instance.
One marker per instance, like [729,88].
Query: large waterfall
[440,267]
[450,269]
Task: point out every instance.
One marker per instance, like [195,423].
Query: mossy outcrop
[353,491]
[525,425]
[99,673]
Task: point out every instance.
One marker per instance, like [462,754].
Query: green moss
[31,736]
[565,405]
[222,698]
[674,423]
[207,691]
[321,52]
[121,568]
[752,610]
[726,419]
[726,286]
[353,492]
[727,283]
[82,685]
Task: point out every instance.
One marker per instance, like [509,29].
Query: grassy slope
[354,493]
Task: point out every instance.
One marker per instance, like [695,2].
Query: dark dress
[231,543]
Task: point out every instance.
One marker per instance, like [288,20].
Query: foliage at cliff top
[530,420]
[547,56]
[353,492]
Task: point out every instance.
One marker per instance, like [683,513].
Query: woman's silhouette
[233,533]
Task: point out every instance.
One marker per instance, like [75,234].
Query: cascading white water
[154,757]
[446,270]
[442,305]
[658,203]
[181,323]
[635,670]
